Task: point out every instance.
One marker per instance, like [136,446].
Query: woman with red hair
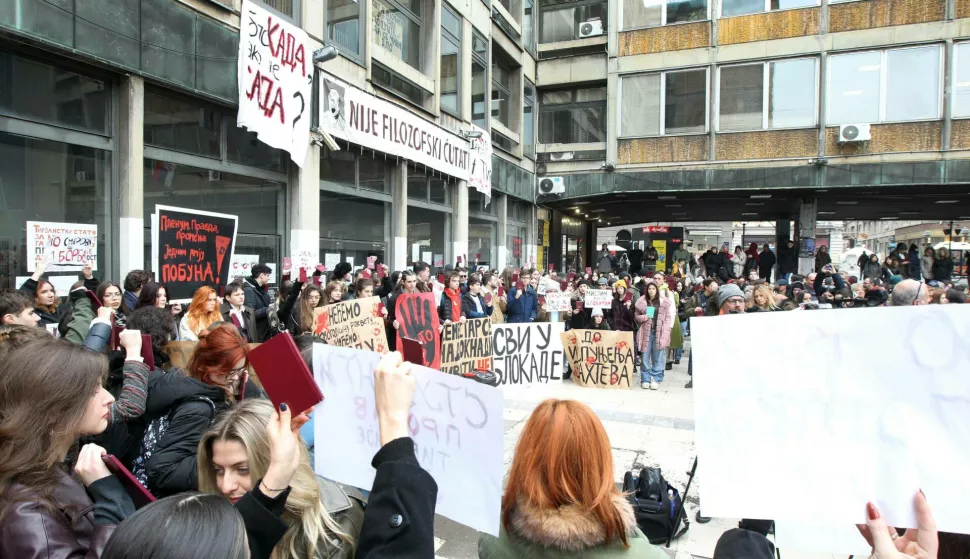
[561,499]
[203,312]
[181,406]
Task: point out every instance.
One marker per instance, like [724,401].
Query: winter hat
[620,283]
[603,281]
[596,312]
[743,544]
[727,291]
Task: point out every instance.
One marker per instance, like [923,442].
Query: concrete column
[807,215]
[131,243]
[501,202]
[459,223]
[399,216]
[304,207]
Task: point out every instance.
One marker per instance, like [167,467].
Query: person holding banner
[654,314]
[47,304]
[597,321]
[203,312]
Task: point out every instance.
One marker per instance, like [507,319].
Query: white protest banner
[275,80]
[839,425]
[558,301]
[466,346]
[528,354]
[62,284]
[598,299]
[359,117]
[330,260]
[481,173]
[66,247]
[241,265]
[456,425]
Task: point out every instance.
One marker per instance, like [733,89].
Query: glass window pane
[679,11]
[168,41]
[786,4]
[351,217]
[741,7]
[742,98]
[558,25]
[49,181]
[640,105]
[397,33]
[853,88]
[641,13]
[417,185]
[337,168]
[913,84]
[479,45]
[284,7]
[51,19]
[216,65]
[392,80]
[109,29]
[426,233]
[557,97]
[792,96]
[591,94]
[528,120]
[685,107]
[243,147]
[961,80]
[450,63]
[564,125]
[479,95]
[439,191]
[480,241]
[176,123]
[528,24]
[451,21]
[55,96]
[371,171]
[343,24]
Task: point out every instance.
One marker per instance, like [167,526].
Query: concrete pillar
[399,216]
[304,207]
[501,202]
[131,238]
[459,223]
[807,215]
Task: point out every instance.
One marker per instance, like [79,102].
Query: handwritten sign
[466,346]
[600,359]
[558,301]
[241,265]
[456,425]
[192,248]
[598,299]
[527,354]
[357,323]
[64,246]
[417,314]
[275,80]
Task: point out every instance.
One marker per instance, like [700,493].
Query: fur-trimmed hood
[567,528]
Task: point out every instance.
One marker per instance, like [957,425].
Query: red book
[284,374]
[515,278]
[139,495]
[628,296]
[552,267]
[488,298]
[580,305]
[302,275]
[542,299]
[287,263]
[501,291]
[222,291]
[380,272]
[321,268]
[412,351]
[441,278]
[95,302]
[520,285]
[589,271]
[365,273]
[147,355]
[563,285]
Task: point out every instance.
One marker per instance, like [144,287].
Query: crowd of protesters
[232,473]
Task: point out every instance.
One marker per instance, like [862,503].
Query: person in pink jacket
[654,314]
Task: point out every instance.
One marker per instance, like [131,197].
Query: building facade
[108,108]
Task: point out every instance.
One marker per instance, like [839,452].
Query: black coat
[766,261]
[469,310]
[262,516]
[30,288]
[943,269]
[251,328]
[258,299]
[399,520]
[822,259]
[787,260]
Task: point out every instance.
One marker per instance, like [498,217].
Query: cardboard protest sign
[525,354]
[63,246]
[192,248]
[558,301]
[466,346]
[357,323]
[862,430]
[456,425]
[241,265]
[417,314]
[601,359]
[598,299]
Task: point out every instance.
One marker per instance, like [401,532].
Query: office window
[913,89]
[397,28]
[573,116]
[664,103]
[182,124]
[788,101]
[389,79]
[450,67]
[343,26]
[528,120]
[479,80]
[501,90]
[745,7]
[961,80]
[528,27]
[652,13]
[562,22]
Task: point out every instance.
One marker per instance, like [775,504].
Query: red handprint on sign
[321,324]
[590,360]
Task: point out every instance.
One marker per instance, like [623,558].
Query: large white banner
[829,417]
[456,424]
[63,246]
[528,354]
[275,80]
[359,117]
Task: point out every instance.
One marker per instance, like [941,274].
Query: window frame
[502,89]
[883,75]
[956,64]
[483,60]
[416,19]
[539,10]
[766,95]
[447,35]
[362,23]
[767,8]
[663,103]
[573,104]
[533,104]
[663,17]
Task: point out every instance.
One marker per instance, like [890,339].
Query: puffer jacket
[84,519]
[664,319]
[524,308]
[739,261]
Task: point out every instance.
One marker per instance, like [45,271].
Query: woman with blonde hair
[561,499]
[203,312]
[234,454]
[763,299]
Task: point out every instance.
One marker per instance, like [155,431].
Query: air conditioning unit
[854,133]
[215,176]
[591,28]
[552,185]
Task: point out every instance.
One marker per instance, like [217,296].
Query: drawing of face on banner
[417,314]
[334,95]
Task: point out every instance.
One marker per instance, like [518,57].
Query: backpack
[153,433]
[656,504]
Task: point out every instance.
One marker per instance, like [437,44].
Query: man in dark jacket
[134,281]
[234,310]
[766,261]
[258,299]
[723,265]
[636,258]
[650,258]
[581,316]
[473,305]
[710,261]
[787,260]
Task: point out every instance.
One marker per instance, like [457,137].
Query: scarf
[454,295]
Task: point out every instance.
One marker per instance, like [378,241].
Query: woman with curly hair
[203,312]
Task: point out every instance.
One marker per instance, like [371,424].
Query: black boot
[670,366]
[701,519]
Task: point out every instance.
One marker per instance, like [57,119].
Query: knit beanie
[727,291]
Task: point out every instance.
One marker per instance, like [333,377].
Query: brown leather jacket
[27,531]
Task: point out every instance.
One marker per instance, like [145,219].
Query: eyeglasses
[236,373]
[918,289]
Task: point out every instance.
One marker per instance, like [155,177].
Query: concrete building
[877,236]
[749,110]
[108,108]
